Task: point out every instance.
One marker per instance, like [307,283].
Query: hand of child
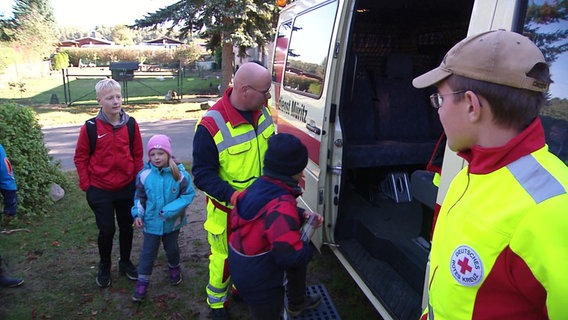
[318,219]
[138,222]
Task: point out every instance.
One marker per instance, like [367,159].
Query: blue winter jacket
[160,201]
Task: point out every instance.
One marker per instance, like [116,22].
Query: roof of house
[93,40]
[163,40]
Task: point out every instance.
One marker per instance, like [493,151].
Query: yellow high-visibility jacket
[500,249]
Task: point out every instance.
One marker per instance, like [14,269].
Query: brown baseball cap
[498,56]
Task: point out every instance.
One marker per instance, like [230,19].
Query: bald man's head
[251,86]
[249,71]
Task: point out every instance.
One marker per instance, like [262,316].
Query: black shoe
[310,302]
[126,268]
[219,314]
[103,276]
[8,282]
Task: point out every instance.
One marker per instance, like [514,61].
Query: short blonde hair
[106,84]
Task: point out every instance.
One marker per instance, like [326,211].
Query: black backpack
[92,133]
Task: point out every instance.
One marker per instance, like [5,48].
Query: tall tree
[122,35]
[224,23]
[33,26]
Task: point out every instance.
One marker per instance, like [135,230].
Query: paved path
[61,141]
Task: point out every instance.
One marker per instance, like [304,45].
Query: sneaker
[127,269]
[310,302]
[140,291]
[175,276]
[219,314]
[103,276]
[8,282]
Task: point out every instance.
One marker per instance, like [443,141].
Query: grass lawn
[145,88]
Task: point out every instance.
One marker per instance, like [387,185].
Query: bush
[104,56]
[60,61]
[21,136]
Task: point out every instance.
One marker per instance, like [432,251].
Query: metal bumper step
[325,311]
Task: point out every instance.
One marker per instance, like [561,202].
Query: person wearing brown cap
[266,244]
[499,247]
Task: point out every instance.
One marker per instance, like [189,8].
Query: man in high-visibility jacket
[228,151]
[499,247]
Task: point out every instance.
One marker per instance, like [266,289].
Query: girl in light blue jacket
[164,189]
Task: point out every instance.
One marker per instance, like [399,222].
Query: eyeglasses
[264,93]
[437,99]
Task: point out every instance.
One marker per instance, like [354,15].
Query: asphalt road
[61,141]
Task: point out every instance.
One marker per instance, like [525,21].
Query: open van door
[302,66]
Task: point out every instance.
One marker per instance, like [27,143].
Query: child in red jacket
[265,244]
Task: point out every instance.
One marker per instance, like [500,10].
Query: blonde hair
[106,84]
[174,168]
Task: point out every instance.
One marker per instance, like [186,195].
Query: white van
[342,73]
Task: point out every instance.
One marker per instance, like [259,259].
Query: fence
[143,87]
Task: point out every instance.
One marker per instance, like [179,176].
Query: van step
[325,311]
[402,301]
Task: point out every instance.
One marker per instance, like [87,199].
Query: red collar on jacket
[233,115]
[485,160]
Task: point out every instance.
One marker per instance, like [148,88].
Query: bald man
[228,151]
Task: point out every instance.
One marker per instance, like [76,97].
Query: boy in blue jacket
[265,244]
[164,189]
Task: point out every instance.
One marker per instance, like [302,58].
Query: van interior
[390,132]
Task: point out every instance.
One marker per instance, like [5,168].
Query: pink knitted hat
[160,141]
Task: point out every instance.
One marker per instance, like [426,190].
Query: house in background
[93,42]
[68,44]
[86,42]
[163,43]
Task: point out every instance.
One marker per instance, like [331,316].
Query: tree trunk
[227,65]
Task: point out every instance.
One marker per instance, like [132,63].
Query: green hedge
[103,56]
[22,138]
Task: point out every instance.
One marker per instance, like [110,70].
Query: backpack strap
[92,133]
[130,126]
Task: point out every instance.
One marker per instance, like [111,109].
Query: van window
[307,54]
[546,24]
[282,39]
